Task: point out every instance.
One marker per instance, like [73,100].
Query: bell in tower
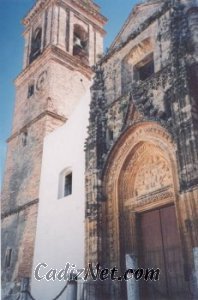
[56,24]
[81,43]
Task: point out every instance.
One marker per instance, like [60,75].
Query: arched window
[65,183]
[36,44]
[138,64]
[80,43]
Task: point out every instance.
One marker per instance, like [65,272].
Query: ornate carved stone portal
[140,176]
[145,171]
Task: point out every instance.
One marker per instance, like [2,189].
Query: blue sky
[11,56]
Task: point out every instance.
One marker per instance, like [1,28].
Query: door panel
[159,247]
[172,252]
[151,249]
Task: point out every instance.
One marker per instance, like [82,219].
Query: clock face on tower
[41,81]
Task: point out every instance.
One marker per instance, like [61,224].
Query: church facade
[142,152]
[131,199]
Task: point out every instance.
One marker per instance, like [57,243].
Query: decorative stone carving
[41,81]
[153,173]
[152,157]
[140,51]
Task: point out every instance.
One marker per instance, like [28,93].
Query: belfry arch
[140,177]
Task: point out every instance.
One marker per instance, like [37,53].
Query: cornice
[143,26]
[83,17]
[36,64]
[39,117]
[34,10]
[54,53]
[90,10]
[18,209]
[133,13]
[73,62]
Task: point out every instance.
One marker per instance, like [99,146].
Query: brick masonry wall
[21,182]
[59,80]
[21,241]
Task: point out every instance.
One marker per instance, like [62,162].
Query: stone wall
[166,98]
[21,241]
[47,92]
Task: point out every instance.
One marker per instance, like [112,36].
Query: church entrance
[141,185]
[159,247]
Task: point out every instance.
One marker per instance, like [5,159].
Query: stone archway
[141,175]
[146,170]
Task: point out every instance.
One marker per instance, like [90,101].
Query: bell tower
[63,39]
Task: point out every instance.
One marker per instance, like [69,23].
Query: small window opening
[30,90]
[36,44]
[68,185]
[24,138]
[8,257]
[144,69]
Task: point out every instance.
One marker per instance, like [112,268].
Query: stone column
[193,26]
[91,46]
[71,290]
[48,26]
[195,273]
[26,48]
[91,290]
[55,25]
[80,289]
[132,284]
[43,31]
[24,287]
[62,28]
[98,45]
[71,32]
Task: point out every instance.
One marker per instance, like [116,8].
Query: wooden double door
[159,247]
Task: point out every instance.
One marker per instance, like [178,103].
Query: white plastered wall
[60,227]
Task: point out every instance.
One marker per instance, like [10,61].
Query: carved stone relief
[140,173]
[152,175]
